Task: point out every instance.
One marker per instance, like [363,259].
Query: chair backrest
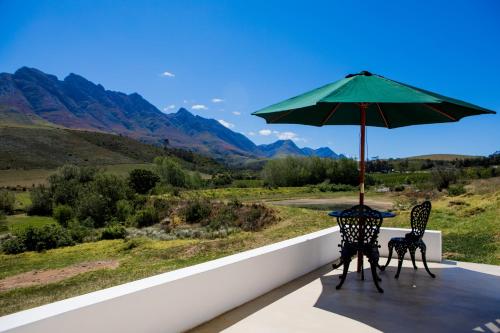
[360,219]
[419,218]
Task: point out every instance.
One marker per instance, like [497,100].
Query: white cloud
[168,108]
[289,136]
[226,124]
[217,100]
[168,74]
[265,132]
[286,135]
[199,107]
[236,113]
[251,133]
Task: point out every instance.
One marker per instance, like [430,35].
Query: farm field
[28,178]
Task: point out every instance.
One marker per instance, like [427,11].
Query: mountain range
[30,97]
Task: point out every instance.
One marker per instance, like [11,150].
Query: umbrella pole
[362,107]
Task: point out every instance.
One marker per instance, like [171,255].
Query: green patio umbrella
[368,99]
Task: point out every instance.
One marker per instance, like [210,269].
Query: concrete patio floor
[464,297]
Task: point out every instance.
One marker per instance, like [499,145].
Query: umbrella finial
[365,73]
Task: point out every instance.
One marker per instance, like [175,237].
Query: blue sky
[252,54]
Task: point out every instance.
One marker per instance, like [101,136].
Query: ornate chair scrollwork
[412,240]
[359,229]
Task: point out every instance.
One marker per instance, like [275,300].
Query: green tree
[7,200]
[170,172]
[142,180]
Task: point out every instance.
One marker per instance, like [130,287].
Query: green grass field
[470,225]
[21,221]
[28,178]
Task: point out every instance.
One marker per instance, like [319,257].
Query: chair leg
[337,265]
[412,255]
[425,262]
[363,270]
[376,279]
[400,263]
[391,247]
[344,273]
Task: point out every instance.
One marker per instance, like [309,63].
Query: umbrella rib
[279,117]
[382,115]
[433,108]
[325,120]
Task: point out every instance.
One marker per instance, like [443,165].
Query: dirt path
[53,275]
[335,203]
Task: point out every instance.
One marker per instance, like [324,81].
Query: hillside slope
[33,147]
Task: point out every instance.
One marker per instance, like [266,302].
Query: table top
[336,213]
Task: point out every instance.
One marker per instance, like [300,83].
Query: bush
[63,214]
[41,201]
[146,217]
[170,172]
[458,189]
[79,232]
[196,210]
[123,210]
[442,178]
[94,207]
[225,217]
[7,200]
[142,181]
[13,245]
[222,179]
[66,183]
[256,217]
[114,232]
[3,222]
[44,238]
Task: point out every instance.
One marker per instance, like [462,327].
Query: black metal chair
[359,229]
[412,240]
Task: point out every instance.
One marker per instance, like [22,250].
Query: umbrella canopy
[367,99]
[388,103]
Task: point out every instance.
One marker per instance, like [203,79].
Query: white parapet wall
[179,300]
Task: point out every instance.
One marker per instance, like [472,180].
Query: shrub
[146,217]
[43,238]
[142,181]
[41,201]
[225,217]
[196,210]
[63,214]
[442,178]
[79,232]
[170,172]
[66,183]
[13,245]
[123,210]
[114,232]
[222,179]
[3,222]
[94,207]
[256,217]
[7,200]
[458,189]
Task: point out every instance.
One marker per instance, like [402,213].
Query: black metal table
[337,213]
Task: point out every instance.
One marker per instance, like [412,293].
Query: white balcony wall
[182,299]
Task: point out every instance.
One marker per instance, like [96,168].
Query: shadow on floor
[457,300]
[235,315]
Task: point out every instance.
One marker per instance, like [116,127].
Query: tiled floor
[464,297]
